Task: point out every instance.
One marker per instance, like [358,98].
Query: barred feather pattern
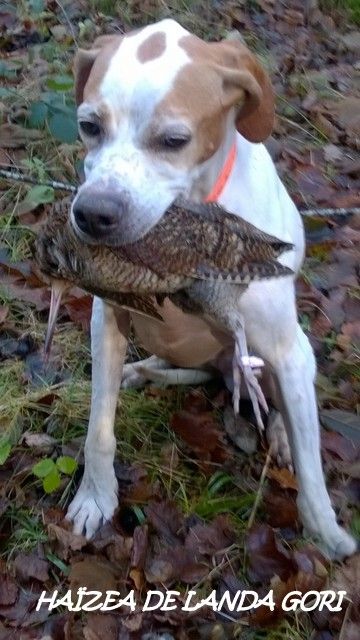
[192,242]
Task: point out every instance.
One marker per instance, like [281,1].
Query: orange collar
[223,176]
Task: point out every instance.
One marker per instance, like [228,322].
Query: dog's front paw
[92,506]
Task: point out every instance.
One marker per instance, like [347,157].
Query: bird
[196,255]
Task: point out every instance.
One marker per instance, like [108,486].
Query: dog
[163,113]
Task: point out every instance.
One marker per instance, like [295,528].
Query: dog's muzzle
[99,213]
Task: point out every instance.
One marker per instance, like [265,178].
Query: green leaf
[52,481]
[40,194]
[5,93]
[5,448]
[63,128]
[38,114]
[36,6]
[60,83]
[67,465]
[64,568]
[44,468]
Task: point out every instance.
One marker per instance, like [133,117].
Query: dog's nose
[97,214]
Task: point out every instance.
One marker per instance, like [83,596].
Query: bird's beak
[58,288]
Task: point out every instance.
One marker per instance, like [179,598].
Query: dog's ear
[247,86]
[84,61]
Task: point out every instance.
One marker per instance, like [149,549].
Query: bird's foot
[241,365]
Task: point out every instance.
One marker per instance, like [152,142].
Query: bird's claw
[241,365]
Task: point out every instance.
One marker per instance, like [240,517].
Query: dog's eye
[174,141]
[89,128]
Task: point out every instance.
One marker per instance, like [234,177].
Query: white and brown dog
[163,113]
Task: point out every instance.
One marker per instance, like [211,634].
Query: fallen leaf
[67,540]
[283,477]
[339,446]
[347,578]
[344,422]
[13,136]
[174,564]
[202,432]
[94,573]
[348,113]
[166,518]
[4,311]
[281,509]
[8,590]
[267,556]
[31,566]
[140,547]
[209,539]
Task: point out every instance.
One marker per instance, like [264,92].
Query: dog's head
[154,107]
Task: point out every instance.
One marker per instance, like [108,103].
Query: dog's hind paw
[321,525]
[338,544]
[91,508]
[277,439]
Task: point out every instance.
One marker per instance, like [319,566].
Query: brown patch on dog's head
[244,83]
[91,65]
[153,47]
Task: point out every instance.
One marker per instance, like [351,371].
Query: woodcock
[196,255]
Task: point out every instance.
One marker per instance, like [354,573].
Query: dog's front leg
[295,373]
[96,498]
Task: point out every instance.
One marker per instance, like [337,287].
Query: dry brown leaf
[13,136]
[4,310]
[100,626]
[284,478]
[166,518]
[93,572]
[31,566]
[348,113]
[202,432]
[209,539]
[281,509]
[140,547]
[347,578]
[67,540]
[8,590]
[267,556]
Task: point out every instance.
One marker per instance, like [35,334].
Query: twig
[355,211]
[260,489]
[67,20]
[65,186]
[19,177]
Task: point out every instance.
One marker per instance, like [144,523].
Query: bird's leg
[219,304]
[241,365]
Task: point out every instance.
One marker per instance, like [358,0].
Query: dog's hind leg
[137,374]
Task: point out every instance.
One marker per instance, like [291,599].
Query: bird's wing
[215,213]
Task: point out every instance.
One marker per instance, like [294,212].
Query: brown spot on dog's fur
[90,66]
[241,73]
[153,47]
[196,97]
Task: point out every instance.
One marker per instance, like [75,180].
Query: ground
[202,507]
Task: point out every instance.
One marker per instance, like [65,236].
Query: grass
[27,531]
[351,7]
